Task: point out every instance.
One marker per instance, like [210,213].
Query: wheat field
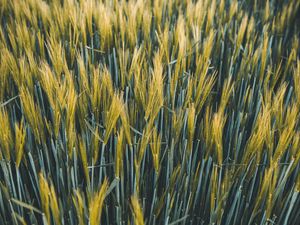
[142,112]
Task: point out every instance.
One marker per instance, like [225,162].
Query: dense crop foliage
[149,112]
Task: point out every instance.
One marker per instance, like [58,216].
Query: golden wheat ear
[96,204]
[137,211]
[6,136]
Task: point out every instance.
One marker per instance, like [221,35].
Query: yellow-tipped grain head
[96,204]
[6,138]
[20,135]
[137,211]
